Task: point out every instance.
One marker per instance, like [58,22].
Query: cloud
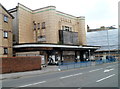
[97,12]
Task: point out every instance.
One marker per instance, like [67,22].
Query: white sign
[42,59]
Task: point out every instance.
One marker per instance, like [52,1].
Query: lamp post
[89,54]
[108,41]
[86,56]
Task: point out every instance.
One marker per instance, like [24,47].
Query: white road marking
[77,74]
[110,66]
[66,76]
[108,70]
[59,69]
[32,84]
[70,75]
[95,70]
[105,78]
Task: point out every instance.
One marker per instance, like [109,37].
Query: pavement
[105,75]
[47,69]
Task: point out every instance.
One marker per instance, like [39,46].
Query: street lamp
[108,41]
[89,54]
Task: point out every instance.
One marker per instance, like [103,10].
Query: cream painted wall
[25,25]
[54,20]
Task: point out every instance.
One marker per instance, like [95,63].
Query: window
[70,28]
[66,28]
[34,26]
[14,36]
[43,25]
[38,25]
[5,18]
[5,34]
[62,27]
[41,38]
[5,50]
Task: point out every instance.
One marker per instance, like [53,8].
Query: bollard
[67,66]
[86,64]
[74,65]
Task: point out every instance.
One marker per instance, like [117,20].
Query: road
[105,75]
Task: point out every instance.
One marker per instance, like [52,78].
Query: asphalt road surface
[105,75]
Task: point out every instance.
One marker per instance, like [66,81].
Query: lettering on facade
[65,20]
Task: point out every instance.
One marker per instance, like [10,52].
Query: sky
[97,12]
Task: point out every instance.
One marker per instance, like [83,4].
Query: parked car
[111,58]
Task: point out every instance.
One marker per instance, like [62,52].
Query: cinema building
[48,33]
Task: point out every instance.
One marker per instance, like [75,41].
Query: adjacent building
[107,39]
[6,33]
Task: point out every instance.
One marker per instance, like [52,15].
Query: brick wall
[19,64]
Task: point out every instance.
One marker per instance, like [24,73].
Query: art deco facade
[43,32]
[47,25]
[6,33]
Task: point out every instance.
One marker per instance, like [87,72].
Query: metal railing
[73,65]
